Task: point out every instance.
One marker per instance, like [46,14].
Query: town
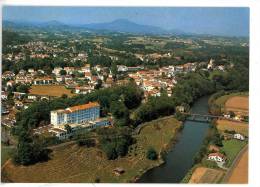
[100,105]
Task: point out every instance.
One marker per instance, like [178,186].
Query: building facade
[76,114]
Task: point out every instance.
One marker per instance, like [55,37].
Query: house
[23,79]
[239,137]
[211,64]
[3,95]
[30,70]
[10,83]
[40,71]
[180,108]
[217,157]
[8,75]
[18,104]
[19,95]
[88,75]
[69,70]
[83,90]
[238,118]
[57,70]
[22,72]
[118,171]
[32,97]
[122,68]
[227,116]
[86,68]
[60,78]
[43,80]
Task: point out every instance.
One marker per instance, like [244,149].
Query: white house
[56,70]
[30,70]
[239,136]
[211,64]
[3,95]
[217,157]
[32,97]
[10,83]
[122,68]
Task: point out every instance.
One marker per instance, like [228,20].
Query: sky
[206,20]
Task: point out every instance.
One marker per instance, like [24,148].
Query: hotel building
[76,114]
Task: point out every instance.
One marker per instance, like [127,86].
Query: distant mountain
[123,25]
[53,24]
[119,25]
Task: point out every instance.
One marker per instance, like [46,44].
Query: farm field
[235,102]
[232,148]
[79,164]
[206,175]
[239,127]
[50,90]
[239,174]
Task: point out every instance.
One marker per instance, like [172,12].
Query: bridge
[201,117]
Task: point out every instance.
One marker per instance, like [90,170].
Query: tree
[151,154]
[110,151]
[23,88]
[64,96]
[114,70]
[232,114]
[63,72]
[68,128]
[29,151]
[99,84]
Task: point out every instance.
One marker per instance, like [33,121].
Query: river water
[179,159]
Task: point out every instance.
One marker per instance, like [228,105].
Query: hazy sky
[222,21]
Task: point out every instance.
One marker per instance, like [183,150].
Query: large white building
[76,114]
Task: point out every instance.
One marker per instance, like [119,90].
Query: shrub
[151,154]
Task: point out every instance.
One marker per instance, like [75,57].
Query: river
[179,159]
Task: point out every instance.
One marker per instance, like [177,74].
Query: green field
[232,148]
[6,153]
[79,164]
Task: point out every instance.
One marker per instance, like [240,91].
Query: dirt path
[238,172]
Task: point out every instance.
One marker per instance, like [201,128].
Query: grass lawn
[79,164]
[232,148]
[50,90]
[6,153]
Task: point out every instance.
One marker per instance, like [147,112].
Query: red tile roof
[83,107]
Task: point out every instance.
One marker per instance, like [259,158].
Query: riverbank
[72,163]
[230,147]
[179,159]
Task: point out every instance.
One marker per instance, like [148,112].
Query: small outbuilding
[118,171]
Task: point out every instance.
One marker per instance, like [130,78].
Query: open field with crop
[206,175]
[231,149]
[237,102]
[239,127]
[50,90]
[239,174]
[80,164]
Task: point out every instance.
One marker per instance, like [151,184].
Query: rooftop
[83,107]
